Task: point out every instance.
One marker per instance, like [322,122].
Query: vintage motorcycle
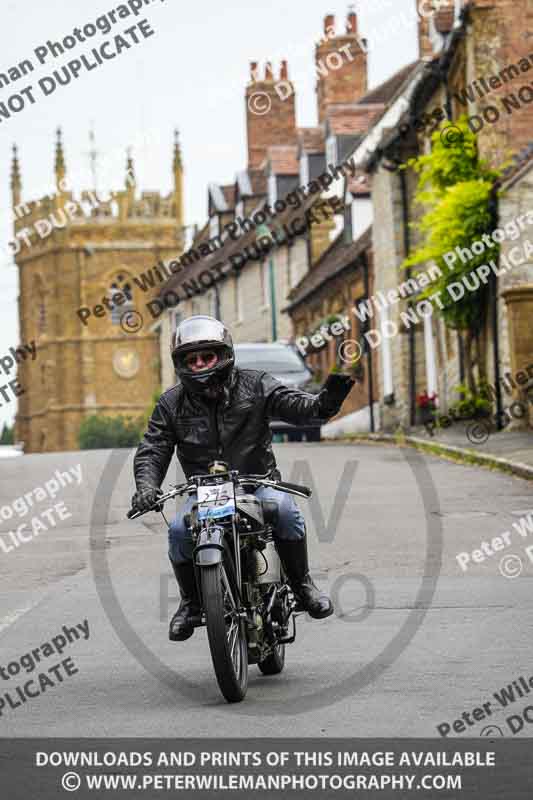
[247,603]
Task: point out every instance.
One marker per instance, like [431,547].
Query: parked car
[285,363]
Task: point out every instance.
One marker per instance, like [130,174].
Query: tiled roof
[311,140]
[519,161]
[386,90]
[336,258]
[350,119]
[283,159]
[234,246]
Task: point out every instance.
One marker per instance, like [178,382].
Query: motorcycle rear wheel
[274,663]
[226,633]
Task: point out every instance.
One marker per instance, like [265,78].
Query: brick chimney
[270,111]
[434,17]
[341,64]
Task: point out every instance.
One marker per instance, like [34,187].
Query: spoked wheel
[274,663]
[226,632]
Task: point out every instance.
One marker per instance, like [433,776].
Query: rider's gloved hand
[145,498]
[334,392]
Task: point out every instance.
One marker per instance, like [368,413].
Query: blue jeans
[291,524]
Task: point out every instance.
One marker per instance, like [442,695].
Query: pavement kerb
[462,454]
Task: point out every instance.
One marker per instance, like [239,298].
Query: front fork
[209,550]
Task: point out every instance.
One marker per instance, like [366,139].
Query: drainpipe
[412,332]
[493,290]
[364,259]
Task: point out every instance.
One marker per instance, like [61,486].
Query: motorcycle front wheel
[226,632]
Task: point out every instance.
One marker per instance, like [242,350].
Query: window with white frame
[214,226]
[331,150]
[272,189]
[304,170]
[121,286]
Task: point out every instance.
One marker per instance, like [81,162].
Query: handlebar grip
[296,487]
[133,513]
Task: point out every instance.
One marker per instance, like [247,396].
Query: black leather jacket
[234,429]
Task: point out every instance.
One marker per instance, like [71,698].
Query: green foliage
[98,432]
[471,404]
[101,432]
[455,186]
[8,434]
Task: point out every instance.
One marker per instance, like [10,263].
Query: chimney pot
[253,70]
[269,75]
[329,22]
[351,23]
[284,72]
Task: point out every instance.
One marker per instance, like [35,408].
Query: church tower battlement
[73,251]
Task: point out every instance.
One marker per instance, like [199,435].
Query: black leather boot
[293,555]
[188,616]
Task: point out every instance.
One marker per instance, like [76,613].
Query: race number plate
[216,501]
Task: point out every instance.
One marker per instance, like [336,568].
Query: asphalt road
[415,641]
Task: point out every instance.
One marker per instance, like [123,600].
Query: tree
[101,432]
[8,435]
[456,187]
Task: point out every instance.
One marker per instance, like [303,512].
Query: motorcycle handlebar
[292,488]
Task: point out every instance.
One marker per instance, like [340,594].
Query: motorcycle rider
[218,411]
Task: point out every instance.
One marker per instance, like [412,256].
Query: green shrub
[471,404]
[8,435]
[98,432]
[102,432]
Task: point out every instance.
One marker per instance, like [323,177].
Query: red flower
[426,400]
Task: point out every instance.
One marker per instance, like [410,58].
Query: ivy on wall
[455,187]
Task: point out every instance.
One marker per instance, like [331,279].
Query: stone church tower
[78,253]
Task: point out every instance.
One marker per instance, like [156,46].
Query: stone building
[473,59]
[86,253]
[252,297]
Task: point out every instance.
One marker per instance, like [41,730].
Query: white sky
[191,74]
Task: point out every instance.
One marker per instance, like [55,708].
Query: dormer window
[331,150]
[214,226]
[304,170]
[272,189]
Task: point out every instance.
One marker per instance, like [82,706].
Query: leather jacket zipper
[217,430]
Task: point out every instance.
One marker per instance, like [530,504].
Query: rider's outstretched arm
[293,405]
